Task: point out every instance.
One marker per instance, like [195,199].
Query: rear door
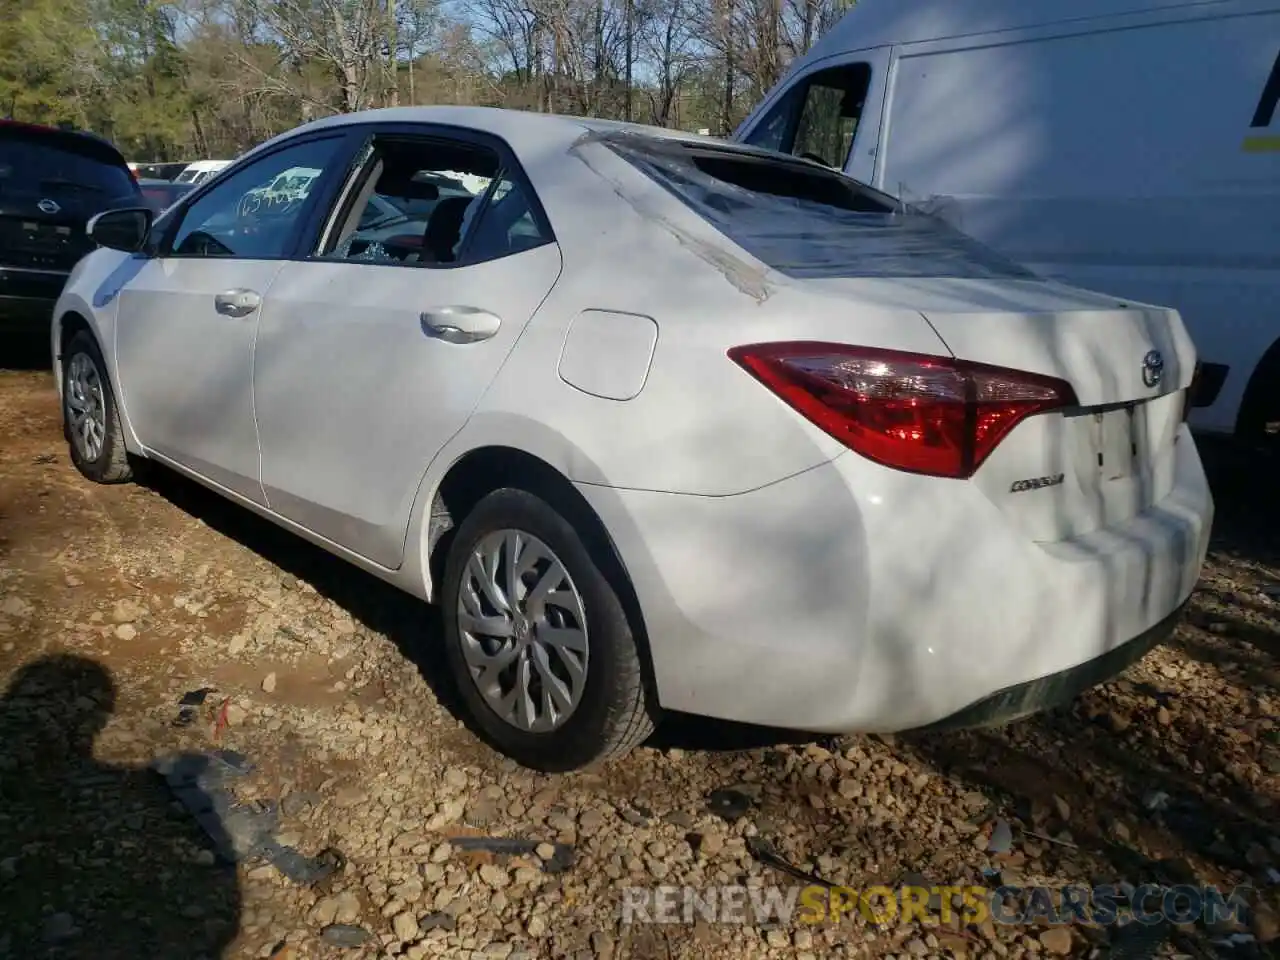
[51,183]
[373,352]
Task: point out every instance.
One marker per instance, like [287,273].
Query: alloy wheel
[86,407]
[523,631]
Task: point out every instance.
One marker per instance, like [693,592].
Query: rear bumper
[1059,689]
[27,298]
[855,598]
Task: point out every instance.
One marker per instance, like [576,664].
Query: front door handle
[237,303]
[460,324]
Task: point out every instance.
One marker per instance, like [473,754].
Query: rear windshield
[808,222]
[52,170]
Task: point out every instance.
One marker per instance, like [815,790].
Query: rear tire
[586,700]
[90,418]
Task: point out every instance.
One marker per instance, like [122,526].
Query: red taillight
[931,415]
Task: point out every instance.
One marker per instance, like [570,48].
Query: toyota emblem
[1153,369]
[48,206]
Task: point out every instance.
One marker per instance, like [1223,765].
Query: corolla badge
[1152,368]
[48,206]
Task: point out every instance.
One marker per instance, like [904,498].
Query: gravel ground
[117,601]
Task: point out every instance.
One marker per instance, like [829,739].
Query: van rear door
[829,111]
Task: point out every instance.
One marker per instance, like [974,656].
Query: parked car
[162,194]
[159,171]
[200,171]
[660,422]
[51,182]
[1060,134]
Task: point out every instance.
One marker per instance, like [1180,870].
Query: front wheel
[90,418]
[537,639]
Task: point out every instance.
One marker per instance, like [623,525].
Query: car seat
[444,227]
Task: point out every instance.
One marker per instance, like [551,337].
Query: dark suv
[51,182]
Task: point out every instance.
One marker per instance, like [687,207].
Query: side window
[818,118]
[253,214]
[416,201]
[774,132]
[507,225]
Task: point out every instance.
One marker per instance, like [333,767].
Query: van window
[807,222]
[818,118]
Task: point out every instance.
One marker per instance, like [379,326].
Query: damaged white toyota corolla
[657,421]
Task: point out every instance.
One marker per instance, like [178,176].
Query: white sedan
[658,421]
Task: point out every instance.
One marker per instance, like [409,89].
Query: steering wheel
[202,244]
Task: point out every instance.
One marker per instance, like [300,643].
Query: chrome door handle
[459,324]
[237,303]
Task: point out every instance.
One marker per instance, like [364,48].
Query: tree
[188,78]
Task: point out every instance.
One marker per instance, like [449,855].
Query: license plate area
[1117,442]
[37,245]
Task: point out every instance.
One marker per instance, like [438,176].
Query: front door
[373,353]
[188,321]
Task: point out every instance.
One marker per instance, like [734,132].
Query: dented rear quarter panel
[701,425]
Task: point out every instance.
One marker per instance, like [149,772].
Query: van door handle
[237,303]
[459,324]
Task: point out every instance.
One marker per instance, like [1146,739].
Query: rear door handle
[459,324]
[237,303]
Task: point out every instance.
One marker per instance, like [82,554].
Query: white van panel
[899,22]
[1114,160]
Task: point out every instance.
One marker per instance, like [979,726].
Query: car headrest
[444,227]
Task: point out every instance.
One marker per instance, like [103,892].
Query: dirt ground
[326,684]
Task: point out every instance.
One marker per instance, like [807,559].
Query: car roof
[520,126]
[82,141]
[878,23]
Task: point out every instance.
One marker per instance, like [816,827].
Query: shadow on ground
[96,863]
[1167,792]
[414,627]
[1159,798]
[1247,526]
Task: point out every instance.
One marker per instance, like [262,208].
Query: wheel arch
[74,316]
[484,469]
[66,325]
[1260,404]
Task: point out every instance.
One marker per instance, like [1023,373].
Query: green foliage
[47,60]
[188,79]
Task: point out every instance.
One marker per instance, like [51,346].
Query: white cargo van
[1127,146]
[201,170]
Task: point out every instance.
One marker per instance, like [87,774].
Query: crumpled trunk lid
[1070,472]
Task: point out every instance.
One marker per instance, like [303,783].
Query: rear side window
[50,169]
[807,221]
